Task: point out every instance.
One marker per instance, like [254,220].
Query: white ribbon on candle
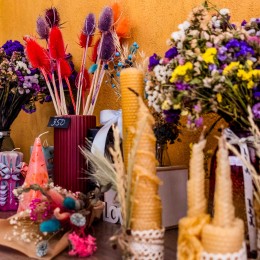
[248,183]
[107,118]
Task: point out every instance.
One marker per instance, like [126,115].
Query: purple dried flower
[12,46]
[52,17]
[172,115]
[153,61]
[108,47]
[42,28]
[182,86]
[198,121]
[90,25]
[212,67]
[105,19]
[243,23]
[256,110]
[171,53]
[48,98]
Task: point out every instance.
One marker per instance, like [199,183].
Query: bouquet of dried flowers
[212,66]
[46,221]
[20,84]
[107,57]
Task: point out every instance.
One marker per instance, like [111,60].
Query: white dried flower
[251,31]
[177,36]
[224,11]
[184,26]
[216,23]
[42,248]
[78,219]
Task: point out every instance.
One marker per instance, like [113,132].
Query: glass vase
[162,155]
[6,142]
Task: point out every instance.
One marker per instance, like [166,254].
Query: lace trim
[240,255]
[147,244]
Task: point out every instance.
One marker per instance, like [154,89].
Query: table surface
[102,231]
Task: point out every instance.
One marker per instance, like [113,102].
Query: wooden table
[102,232]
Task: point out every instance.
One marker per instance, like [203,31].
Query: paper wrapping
[29,249]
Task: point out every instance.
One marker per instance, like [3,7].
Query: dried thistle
[52,17]
[107,47]
[105,19]
[90,25]
[42,28]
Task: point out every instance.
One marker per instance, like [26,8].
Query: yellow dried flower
[219,98]
[209,55]
[246,76]
[165,105]
[229,68]
[250,84]
[181,70]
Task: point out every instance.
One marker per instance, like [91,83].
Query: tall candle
[147,208]
[190,227]
[10,170]
[226,233]
[197,202]
[37,174]
[130,78]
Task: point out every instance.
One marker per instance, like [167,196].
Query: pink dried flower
[82,247]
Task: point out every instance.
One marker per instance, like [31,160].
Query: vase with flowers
[165,133]
[105,37]
[214,66]
[20,87]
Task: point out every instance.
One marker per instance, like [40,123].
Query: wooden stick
[95,96]
[63,102]
[93,83]
[56,92]
[71,94]
[51,92]
[83,63]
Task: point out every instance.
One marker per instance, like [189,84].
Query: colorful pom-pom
[49,226]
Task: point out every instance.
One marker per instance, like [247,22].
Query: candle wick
[43,134]
[16,149]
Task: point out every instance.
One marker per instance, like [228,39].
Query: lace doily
[147,244]
[240,255]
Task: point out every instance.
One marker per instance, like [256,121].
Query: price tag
[59,122]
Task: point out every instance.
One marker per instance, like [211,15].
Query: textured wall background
[152,23]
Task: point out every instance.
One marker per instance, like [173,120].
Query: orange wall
[152,23]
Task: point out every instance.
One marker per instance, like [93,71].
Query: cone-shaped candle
[37,174]
[130,78]
[190,227]
[226,233]
[147,208]
[197,202]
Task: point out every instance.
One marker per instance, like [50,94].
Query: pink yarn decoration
[82,246]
